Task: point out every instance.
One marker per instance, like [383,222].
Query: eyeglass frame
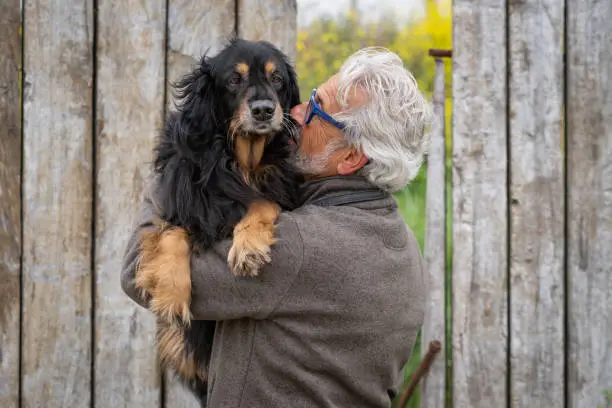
[313,108]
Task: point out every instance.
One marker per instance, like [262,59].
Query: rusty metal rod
[434,348]
[440,53]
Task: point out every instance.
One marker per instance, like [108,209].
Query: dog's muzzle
[262,111]
[263,118]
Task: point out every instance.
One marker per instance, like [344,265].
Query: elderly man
[333,317]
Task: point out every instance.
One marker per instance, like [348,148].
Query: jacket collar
[353,190]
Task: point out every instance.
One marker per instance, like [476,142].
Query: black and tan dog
[222,168]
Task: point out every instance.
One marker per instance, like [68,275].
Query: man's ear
[351,161]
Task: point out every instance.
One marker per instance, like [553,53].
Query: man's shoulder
[318,225]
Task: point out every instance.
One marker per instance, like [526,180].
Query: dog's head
[244,92]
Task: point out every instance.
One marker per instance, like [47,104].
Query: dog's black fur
[201,187]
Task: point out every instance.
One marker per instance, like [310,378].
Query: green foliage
[608,397]
[324,45]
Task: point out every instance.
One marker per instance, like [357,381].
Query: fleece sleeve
[216,293]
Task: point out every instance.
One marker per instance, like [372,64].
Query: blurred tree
[325,43]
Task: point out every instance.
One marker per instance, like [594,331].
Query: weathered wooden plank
[176,395]
[589,201]
[57,203]
[10,202]
[194,28]
[433,385]
[480,312]
[270,20]
[537,204]
[129,108]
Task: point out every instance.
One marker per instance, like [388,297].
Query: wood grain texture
[129,107]
[480,312]
[10,202]
[195,28]
[176,395]
[433,385]
[589,195]
[537,204]
[270,20]
[57,206]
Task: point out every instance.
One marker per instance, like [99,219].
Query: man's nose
[297,112]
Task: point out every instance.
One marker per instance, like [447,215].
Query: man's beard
[310,165]
[316,164]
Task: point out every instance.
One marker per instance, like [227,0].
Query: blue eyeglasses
[313,109]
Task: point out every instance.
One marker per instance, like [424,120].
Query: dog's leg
[174,354]
[253,237]
[164,273]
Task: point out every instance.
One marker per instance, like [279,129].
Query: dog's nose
[262,110]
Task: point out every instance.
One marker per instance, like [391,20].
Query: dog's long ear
[293,90]
[196,104]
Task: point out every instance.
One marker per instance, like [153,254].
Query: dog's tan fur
[270,67]
[164,269]
[253,238]
[242,69]
[249,152]
[171,347]
[164,272]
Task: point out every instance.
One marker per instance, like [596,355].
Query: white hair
[389,128]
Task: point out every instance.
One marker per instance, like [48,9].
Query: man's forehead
[328,94]
[355,97]
[330,87]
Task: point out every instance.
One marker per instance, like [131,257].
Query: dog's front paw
[253,239]
[250,251]
[165,274]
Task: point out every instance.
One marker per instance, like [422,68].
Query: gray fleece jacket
[330,322]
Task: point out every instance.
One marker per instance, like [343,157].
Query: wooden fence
[531,321]
[531,290]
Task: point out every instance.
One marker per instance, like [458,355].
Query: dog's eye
[277,80]
[235,80]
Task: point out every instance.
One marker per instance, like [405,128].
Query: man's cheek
[317,140]
[303,144]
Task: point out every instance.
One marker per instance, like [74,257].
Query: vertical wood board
[57,203]
[537,204]
[270,20]
[10,202]
[480,312]
[129,107]
[196,28]
[433,385]
[589,192]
